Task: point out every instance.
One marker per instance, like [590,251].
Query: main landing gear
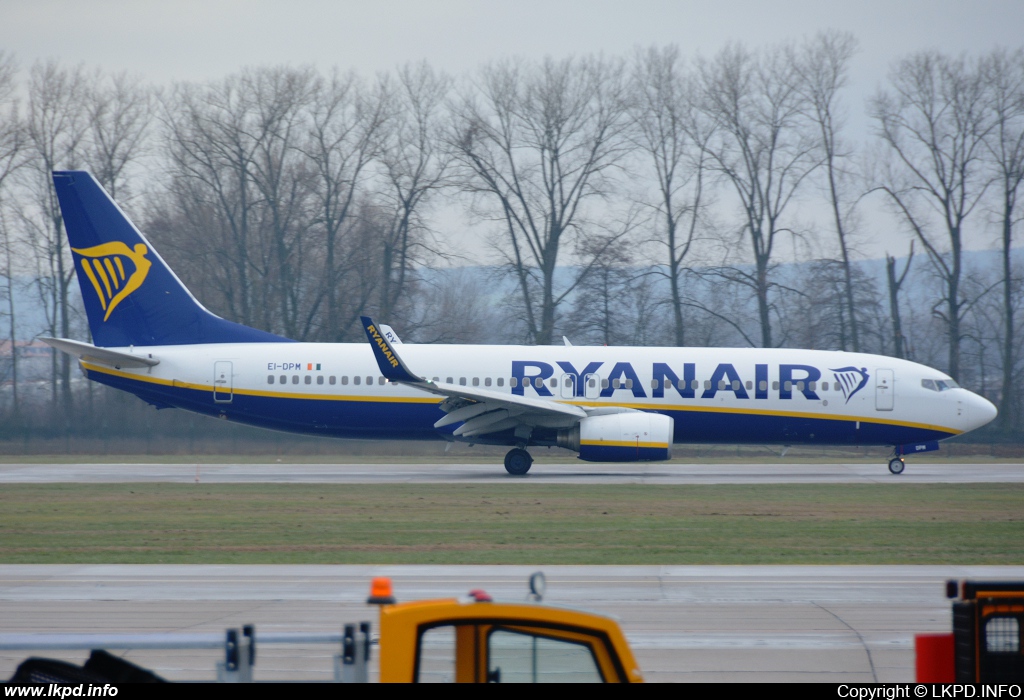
[897,465]
[518,461]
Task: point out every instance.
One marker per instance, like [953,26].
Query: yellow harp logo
[104,265]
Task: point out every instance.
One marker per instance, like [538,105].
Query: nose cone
[980,411]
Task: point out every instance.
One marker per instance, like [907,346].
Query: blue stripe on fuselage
[405,420]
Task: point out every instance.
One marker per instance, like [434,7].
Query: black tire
[896,465]
[518,462]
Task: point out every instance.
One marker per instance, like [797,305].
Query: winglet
[391,365]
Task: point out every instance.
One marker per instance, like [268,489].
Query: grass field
[512,523]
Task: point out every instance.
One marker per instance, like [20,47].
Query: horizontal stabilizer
[104,356]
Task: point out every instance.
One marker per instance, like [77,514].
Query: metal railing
[239,645]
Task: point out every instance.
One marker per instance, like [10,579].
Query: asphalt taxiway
[572,473]
[685,623]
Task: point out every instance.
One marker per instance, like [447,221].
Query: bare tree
[934,121]
[12,157]
[119,110]
[823,65]
[534,144]
[414,167]
[1004,74]
[210,145]
[279,173]
[56,130]
[672,134]
[763,149]
[894,283]
[347,124]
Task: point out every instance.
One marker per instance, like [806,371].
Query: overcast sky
[197,39]
[203,39]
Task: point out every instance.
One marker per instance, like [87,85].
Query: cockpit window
[939,384]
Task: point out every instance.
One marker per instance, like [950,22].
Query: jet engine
[621,437]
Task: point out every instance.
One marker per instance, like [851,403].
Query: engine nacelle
[621,437]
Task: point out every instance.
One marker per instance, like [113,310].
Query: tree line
[645,199]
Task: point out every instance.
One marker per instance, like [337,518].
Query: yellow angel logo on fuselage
[104,266]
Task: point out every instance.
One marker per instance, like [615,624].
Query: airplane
[152,338]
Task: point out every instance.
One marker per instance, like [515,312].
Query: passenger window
[592,382]
[629,383]
[501,381]
[568,381]
[721,385]
[775,385]
[604,383]
[681,384]
[668,384]
[357,380]
[344,380]
[462,381]
[436,380]
[707,385]
[750,385]
[695,384]
[811,385]
[331,380]
[270,379]
[309,379]
[800,386]
[538,382]
[487,381]
[654,383]
[382,381]
[762,385]
[735,384]
[615,384]
[513,382]
[295,379]
[283,379]
[369,381]
[449,380]
[553,382]
[476,381]
[788,386]
[520,657]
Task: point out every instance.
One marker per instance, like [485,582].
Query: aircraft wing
[104,356]
[479,410]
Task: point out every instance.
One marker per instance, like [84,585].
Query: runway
[558,473]
[685,623]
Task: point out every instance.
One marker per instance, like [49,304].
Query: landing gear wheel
[518,462]
[896,465]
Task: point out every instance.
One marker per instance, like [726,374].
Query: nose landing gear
[518,461]
[897,465]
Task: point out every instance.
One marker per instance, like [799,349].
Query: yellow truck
[479,640]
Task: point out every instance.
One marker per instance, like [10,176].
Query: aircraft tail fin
[131,296]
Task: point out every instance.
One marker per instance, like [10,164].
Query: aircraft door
[885,387]
[222,382]
[568,384]
[591,386]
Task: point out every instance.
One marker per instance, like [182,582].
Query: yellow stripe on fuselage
[433,400]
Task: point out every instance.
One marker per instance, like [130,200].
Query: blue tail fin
[131,296]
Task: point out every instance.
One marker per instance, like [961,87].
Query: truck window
[1002,635]
[519,657]
[436,662]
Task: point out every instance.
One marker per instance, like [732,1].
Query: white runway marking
[645,473]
